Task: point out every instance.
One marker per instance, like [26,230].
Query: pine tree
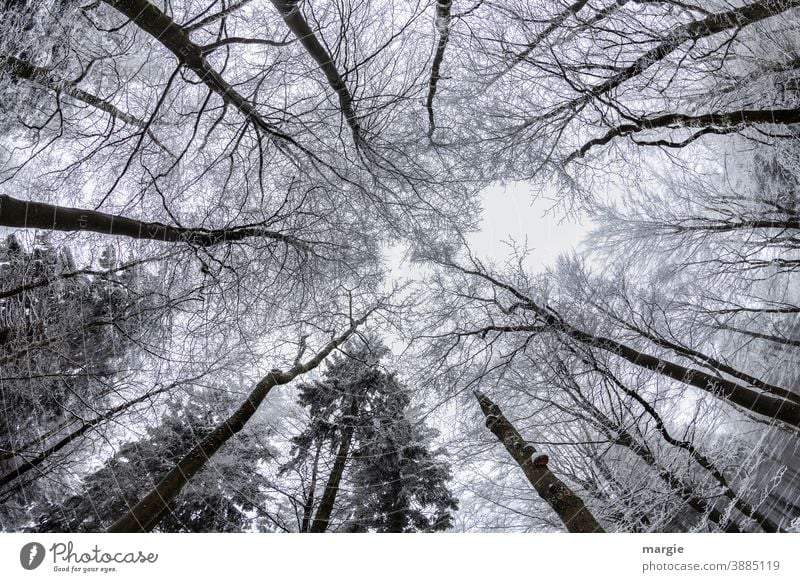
[401,484]
[361,416]
[64,334]
[225,497]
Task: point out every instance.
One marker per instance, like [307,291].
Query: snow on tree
[384,475]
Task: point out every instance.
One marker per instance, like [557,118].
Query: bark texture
[570,508]
[18,213]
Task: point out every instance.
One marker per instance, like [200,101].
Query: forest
[239,289]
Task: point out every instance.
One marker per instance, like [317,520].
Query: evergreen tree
[64,334]
[361,415]
[60,328]
[401,484]
[225,497]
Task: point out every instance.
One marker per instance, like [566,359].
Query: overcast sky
[511,212]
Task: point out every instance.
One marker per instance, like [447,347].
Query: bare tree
[569,507]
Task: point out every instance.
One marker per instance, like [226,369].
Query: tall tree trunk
[763,403]
[146,514]
[18,213]
[443,27]
[308,507]
[322,519]
[570,508]
[296,22]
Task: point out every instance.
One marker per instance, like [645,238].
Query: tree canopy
[239,288]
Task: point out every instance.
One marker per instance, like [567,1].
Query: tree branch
[25,70]
[20,470]
[294,19]
[176,39]
[26,214]
[146,514]
[724,121]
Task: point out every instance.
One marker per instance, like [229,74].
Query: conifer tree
[65,333]
[361,416]
[225,497]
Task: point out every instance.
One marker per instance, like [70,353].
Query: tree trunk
[26,214]
[756,401]
[443,26]
[146,514]
[322,519]
[296,22]
[760,402]
[308,506]
[569,507]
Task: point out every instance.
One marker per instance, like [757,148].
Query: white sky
[512,213]
[515,213]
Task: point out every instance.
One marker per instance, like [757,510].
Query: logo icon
[31,555]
